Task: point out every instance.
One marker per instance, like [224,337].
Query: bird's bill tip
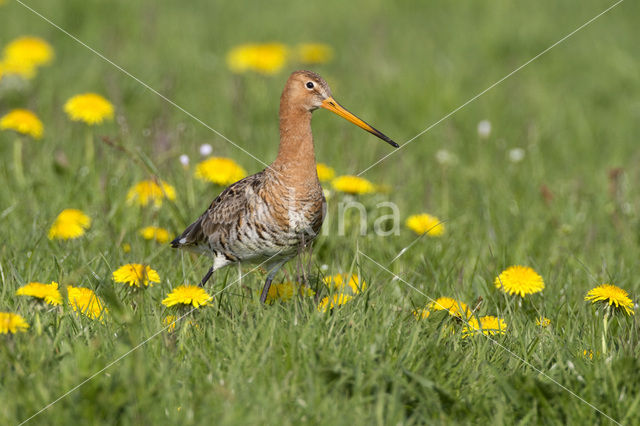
[333,106]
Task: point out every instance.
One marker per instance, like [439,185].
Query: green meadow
[550,187]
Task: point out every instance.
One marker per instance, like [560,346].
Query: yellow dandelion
[425,224]
[29,50]
[47,292]
[126,247]
[161,235]
[341,281]
[520,280]
[70,224]
[285,291]
[325,173]
[453,306]
[331,302]
[12,323]
[90,108]
[187,295]
[22,121]
[14,67]
[135,274]
[613,295]
[353,185]
[314,53]
[84,300]
[488,325]
[221,171]
[543,322]
[268,58]
[587,353]
[148,190]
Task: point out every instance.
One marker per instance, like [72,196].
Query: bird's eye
[309,85]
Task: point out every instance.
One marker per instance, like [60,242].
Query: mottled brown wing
[221,215]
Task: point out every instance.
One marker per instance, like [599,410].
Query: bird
[266,217]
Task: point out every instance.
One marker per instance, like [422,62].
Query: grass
[401,67]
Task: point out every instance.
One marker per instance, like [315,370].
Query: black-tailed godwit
[264,218]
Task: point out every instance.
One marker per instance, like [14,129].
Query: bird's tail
[192,236]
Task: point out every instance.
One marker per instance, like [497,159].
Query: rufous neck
[296,156]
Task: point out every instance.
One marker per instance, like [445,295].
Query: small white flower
[324,267]
[516,155]
[205,149]
[184,160]
[445,157]
[484,129]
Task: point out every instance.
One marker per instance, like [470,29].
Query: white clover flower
[484,129]
[205,149]
[445,157]
[516,155]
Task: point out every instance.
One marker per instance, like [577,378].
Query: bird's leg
[206,277]
[273,269]
[265,289]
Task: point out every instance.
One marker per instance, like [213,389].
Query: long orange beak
[336,108]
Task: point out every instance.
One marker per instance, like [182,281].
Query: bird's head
[308,90]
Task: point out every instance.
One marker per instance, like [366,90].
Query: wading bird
[266,217]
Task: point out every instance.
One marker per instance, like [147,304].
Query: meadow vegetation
[545,181]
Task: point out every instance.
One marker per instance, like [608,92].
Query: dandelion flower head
[425,224]
[314,53]
[70,224]
[136,274]
[84,300]
[341,282]
[148,190]
[47,292]
[90,108]
[160,235]
[22,121]
[24,55]
[612,295]
[333,301]
[325,173]
[219,170]
[353,185]
[187,295]
[453,306]
[32,50]
[23,70]
[286,291]
[543,322]
[488,325]
[12,323]
[267,58]
[520,280]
